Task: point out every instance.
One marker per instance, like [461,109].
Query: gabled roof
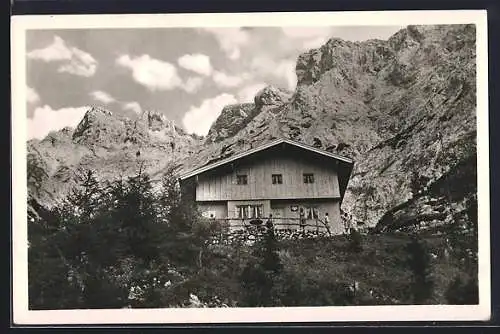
[270,144]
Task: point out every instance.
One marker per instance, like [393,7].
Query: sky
[188,74]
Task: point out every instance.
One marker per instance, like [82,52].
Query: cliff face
[403,109]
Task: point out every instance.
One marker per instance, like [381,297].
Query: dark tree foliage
[355,241]
[259,278]
[419,263]
[463,239]
[463,291]
[109,237]
[133,243]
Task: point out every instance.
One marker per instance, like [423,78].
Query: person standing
[269,223]
[302,221]
[326,222]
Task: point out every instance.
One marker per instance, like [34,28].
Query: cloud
[157,75]
[133,106]
[308,37]
[286,69]
[199,119]
[198,63]
[72,59]
[192,85]
[32,95]
[230,40]
[314,43]
[101,96]
[283,69]
[45,119]
[307,33]
[224,80]
[152,73]
[247,94]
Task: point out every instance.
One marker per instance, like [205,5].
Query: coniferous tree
[180,219]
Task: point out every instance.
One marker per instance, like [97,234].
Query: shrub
[419,263]
[259,278]
[355,241]
[463,291]
[109,237]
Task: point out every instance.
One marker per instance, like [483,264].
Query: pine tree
[180,241]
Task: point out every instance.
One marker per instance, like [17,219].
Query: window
[242,211]
[241,179]
[249,211]
[308,178]
[277,179]
[312,213]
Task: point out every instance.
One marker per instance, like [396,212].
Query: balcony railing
[279,224]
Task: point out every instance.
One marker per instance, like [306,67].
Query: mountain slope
[403,109]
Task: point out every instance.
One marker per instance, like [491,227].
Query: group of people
[302,220]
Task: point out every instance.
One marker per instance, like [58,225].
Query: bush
[419,263]
[355,241]
[109,237]
[259,278]
[463,291]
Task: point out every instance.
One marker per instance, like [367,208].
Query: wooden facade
[280,179]
[224,186]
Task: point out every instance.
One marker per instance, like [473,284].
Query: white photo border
[23,316]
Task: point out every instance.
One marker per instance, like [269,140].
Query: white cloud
[314,43]
[307,33]
[247,94]
[191,85]
[198,63]
[152,73]
[157,75]
[54,52]
[309,37]
[284,69]
[101,96]
[73,60]
[230,40]
[32,95]
[133,106]
[199,119]
[224,80]
[45,119]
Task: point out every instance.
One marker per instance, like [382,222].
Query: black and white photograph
[200,167]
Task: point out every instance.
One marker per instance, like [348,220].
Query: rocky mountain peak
[271,97]
[157,121]
[234,118]
[99,127]
[231,119]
